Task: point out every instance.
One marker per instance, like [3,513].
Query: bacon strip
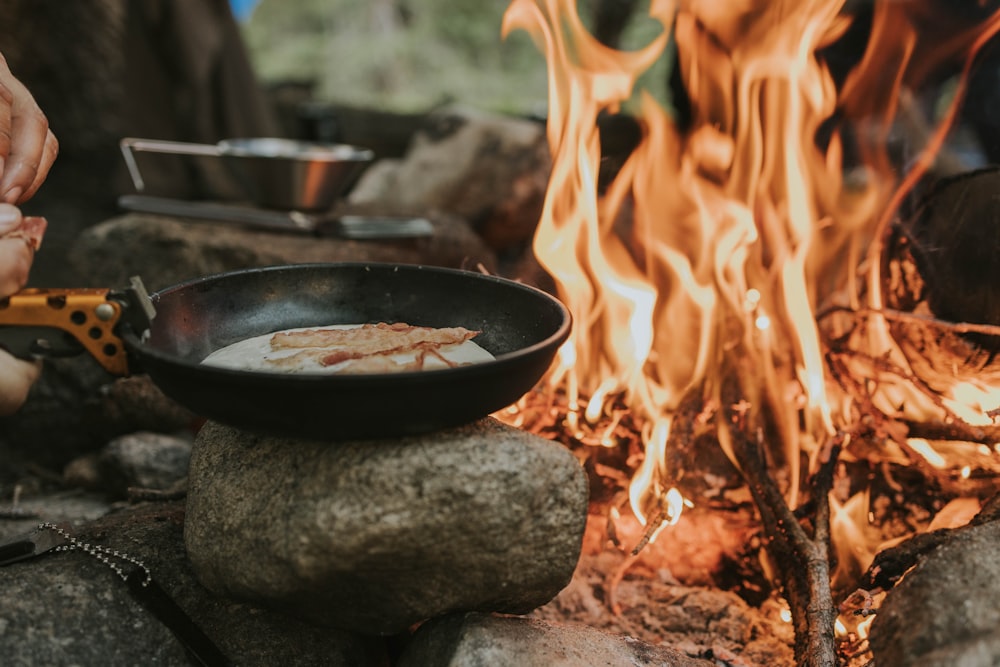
[367,349]
[380,362]
[371,339]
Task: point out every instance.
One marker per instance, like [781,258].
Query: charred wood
[891,564]
[955,235]
[802,560]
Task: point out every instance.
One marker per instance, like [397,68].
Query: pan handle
[129,146]
[65,322]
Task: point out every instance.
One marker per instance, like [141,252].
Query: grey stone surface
[487,168]
[944,612]
[69,609]
[473,639]
[144,460]
[165,251]
[377,535]
[34,506]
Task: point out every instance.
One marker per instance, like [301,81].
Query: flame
[927,451]
[742,224]
[854,539]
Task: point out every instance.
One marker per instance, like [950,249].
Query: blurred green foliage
[409,55]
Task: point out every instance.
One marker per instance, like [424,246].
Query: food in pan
[353,349]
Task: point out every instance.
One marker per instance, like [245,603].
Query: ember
[741,281]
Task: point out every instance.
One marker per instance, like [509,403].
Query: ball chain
[103,554]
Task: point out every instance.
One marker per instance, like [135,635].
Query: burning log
[799,548]
[891,564]
[801,560]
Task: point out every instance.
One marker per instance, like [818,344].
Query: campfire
[742,284]
[778,385]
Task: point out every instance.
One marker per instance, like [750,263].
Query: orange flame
[740,227]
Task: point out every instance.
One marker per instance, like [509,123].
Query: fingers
[21,168]
[11,218]
[16,252]
[16,378]
[6,112]
[27,145]
[27,151]
[15,264]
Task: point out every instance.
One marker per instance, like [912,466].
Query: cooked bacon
[372,339]
[379,363]
[294,362]
[367,349]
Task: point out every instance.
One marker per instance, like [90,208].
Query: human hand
[19,239]
[27,146]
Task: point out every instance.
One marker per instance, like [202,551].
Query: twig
[677,449]
[892,563]
[614,579]
[901,316]
[955,430]
[803,562]
[14,510]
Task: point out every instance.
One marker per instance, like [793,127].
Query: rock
[377,535]
[84,472]
[146,460]
[507,641]
[489,169]
[36,505]
[50,429]
[944,612]
[76,408]
[68,608]
[143,460]
[165,251]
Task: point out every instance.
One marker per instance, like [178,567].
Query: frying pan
[521,326]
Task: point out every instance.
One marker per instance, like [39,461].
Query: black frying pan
[521,326]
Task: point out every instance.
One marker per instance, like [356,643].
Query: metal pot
[272,172]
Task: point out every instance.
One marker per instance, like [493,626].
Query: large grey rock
[944,613]
[165,251]
[489,169]
[465,640]
[377,535]
[146,460]
[142,461]
[69,609]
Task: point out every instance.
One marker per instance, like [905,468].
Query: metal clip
[67,322]
[29,545]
